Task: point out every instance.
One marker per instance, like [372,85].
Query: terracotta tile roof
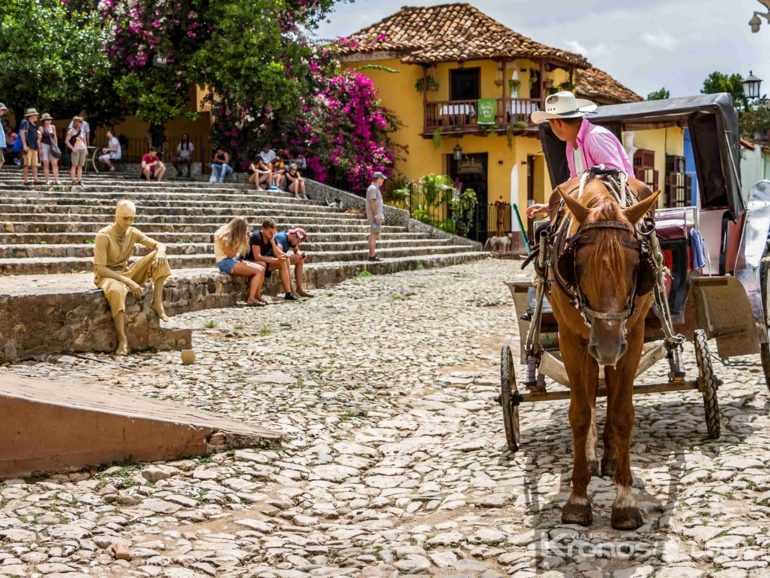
[593,83]
[450,32]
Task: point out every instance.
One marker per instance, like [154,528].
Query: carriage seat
[671,229]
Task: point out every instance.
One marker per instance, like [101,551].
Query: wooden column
[425,98]
[540,80]
[505,85]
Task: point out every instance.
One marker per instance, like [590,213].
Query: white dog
[494,242]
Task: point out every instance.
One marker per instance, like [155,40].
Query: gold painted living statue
[113,247]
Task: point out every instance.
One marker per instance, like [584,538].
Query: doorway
[471,171]
[465,84]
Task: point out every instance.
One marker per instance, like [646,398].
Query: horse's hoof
[577,514]
[629,518]
[593,467]
[608,467]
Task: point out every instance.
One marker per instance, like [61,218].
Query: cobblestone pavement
[395,458]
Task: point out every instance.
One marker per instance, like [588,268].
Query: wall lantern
[751,86]
[756,21]
[458,152]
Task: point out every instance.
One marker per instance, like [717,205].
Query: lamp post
[751,85]
[756,21]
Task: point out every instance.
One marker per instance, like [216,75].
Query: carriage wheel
[508,399]
[708,384]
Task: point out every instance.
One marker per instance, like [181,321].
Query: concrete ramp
[49,426]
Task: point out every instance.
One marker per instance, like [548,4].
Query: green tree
[661,94]
[54,60]
[755,120]
[719,82]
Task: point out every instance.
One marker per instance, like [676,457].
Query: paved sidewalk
[395,461]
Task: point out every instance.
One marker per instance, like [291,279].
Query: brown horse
[605,273]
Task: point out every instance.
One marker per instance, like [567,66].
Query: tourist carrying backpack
[29,138]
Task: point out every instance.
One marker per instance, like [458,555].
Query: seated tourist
[152,166]
[220,166]
[277,177]
[113,247]
[231,241]
[259,172]
[296,182]
[267,154]
[111,152]
[261,246]
[300,161]
[184,151]
[289,241]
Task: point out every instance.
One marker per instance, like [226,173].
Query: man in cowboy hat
[29,138]
[588,145]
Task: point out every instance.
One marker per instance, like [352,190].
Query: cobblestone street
[395,459]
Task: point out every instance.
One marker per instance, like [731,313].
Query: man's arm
[258,256]
[100,259]
[23,137]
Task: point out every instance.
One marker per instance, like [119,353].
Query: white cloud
[662,40]
[575,46]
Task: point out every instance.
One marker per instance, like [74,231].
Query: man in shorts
[3,144]
[290,240]
[111,152]
[152,165]
[261,247]
[29,138]
[375,214]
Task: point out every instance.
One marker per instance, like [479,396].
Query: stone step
[83,237]
[54,265]
[87,207]
[150,228]
[254,217]
[86,250]
[131,194]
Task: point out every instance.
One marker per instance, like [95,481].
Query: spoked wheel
[509,399]
[764,348]
[709,383]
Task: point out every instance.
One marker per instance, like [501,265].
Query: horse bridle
[572,288]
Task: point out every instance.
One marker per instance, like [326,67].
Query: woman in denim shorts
[230,241]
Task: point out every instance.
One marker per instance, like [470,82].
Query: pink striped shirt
[599,146]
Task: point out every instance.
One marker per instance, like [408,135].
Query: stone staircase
[47,235]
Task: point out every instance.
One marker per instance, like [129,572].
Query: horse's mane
[607,253]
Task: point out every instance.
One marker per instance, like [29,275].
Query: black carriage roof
[714,132]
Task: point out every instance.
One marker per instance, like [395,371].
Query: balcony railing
[450,115]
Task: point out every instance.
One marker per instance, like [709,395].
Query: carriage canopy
[714,131]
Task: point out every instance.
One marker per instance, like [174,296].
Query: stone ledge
[66,313]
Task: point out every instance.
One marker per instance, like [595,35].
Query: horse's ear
[575,207]
[640,209]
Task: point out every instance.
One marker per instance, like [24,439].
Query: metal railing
[463,114]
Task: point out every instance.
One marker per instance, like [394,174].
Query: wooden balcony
[461,115]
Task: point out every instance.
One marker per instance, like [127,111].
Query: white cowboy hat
[563,105]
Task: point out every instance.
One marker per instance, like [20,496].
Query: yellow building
[451,62]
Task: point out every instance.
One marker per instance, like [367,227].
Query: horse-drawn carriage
[725,301]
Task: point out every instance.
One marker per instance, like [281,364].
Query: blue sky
[645,44]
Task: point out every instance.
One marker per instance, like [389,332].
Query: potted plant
[548,83]
[514,83]
[428,81]
[498,82]
[567,85]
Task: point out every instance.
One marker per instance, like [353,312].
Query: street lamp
[458,152]
[751,86]
[755,21]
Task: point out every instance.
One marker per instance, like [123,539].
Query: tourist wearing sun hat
[48,137]
[30,138]
[588,145]
[3,144]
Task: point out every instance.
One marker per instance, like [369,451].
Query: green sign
[487,109]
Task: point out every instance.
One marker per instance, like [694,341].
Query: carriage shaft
[602,392]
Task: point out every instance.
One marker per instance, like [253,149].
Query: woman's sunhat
[31,112]
[563,105]
[46,116]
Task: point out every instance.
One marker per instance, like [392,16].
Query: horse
[601,326]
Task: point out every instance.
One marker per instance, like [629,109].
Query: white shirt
[117,153]
[577,158]
[268,156]
[185,152]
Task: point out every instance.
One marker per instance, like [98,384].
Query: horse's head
[606,263]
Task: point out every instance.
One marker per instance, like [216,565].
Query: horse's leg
[610,457]
[593,435]
[620,409]
[583,375]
